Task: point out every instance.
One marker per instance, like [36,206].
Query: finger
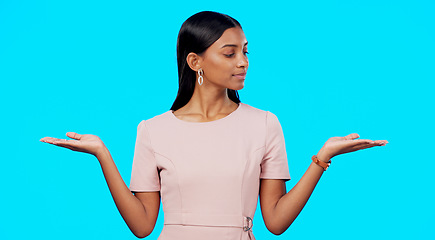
[375,142]
[69,147]
[368,141]
[70,144]
[363,141]
[351,136]
[56,141]
[352,143]
[48,139]
[45,138]
[74,135]
[65,142]
[381,142]
[360,147]
[64,145]
[356,148]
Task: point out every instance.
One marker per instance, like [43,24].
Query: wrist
[322,156]
[102,154]
[324,165]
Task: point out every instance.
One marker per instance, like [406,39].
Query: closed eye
[232,54]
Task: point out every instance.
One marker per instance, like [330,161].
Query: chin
[242,85]
[236,85]
[240,88]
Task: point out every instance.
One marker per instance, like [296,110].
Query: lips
[240,75]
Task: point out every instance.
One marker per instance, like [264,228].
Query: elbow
[277,229]
[142,233]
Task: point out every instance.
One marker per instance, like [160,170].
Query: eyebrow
[233,45]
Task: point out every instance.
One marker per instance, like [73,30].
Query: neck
[209,101]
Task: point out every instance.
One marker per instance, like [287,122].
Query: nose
[243,61]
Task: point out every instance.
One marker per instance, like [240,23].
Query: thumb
[351,136]
[74,135]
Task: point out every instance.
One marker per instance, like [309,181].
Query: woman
[210,156]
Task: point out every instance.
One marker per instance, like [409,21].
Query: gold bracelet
[324,165]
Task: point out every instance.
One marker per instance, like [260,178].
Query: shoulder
[158,120]
[256,113]
[250,110]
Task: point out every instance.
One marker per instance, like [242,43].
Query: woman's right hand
[139,212]
[86,143]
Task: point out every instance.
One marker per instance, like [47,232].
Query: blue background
[325,68]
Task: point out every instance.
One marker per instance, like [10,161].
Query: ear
[194,61]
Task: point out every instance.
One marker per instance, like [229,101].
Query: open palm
[86,143]
[339,145]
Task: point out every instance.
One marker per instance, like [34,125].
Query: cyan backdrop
[325,68]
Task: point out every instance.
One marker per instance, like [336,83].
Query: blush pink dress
[208,173]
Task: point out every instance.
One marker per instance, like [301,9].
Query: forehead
[231,36]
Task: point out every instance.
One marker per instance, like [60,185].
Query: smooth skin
[224,65]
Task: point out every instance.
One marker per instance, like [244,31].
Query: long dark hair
[198,33]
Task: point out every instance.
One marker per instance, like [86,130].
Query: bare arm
[139,211]
[279,208]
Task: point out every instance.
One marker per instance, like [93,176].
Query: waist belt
[195,219]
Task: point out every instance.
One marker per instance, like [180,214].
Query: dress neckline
[172,115]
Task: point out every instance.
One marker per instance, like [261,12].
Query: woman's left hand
[339,145]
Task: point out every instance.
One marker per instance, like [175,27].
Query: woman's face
[225,62]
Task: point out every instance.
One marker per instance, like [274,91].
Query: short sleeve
[274,164]
[144,173]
